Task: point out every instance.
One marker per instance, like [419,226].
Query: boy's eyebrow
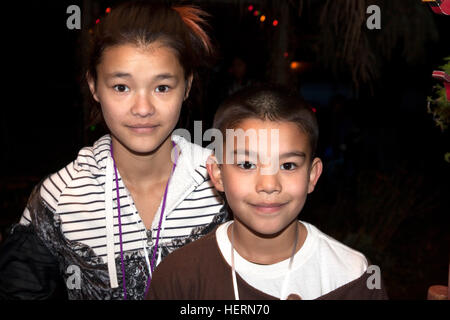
[245,152]
[284,155]
[293,154]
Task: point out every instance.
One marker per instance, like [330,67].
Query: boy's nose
[143,105]
[268,183]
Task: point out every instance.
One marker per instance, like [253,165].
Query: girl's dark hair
[181,28]
[268,102]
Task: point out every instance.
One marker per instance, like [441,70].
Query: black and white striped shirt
[76,196]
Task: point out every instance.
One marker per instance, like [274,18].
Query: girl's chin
[144,149]
[142,145]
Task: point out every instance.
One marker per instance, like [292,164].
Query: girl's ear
[188,86]
[214,172]
[314,174]
[91,83]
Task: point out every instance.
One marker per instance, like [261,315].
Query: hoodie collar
[189,172]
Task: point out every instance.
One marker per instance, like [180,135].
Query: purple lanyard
[159,225]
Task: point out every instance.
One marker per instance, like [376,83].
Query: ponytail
[193,19]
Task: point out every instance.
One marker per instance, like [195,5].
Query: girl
[107,219]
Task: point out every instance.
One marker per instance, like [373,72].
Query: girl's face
[140,91]
[268,203]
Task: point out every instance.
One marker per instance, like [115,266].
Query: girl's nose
[143,105]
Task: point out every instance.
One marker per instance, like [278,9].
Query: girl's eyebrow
[120,74]
[164,76]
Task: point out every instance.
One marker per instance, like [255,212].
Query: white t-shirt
[321,265]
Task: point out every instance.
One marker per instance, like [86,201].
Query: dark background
[386,193]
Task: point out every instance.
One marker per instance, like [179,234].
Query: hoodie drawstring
[110,224]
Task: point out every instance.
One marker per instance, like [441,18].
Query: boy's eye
[288,166]
[162,88]
[121,88]
[246,165]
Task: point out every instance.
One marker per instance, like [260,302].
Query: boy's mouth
[268,207]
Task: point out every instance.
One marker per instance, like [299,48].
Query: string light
[295,65]
[263,17]
[108,10]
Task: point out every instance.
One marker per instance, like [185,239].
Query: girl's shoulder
[192,158]
[83,176]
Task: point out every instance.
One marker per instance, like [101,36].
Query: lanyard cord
[286,277]
[159,224]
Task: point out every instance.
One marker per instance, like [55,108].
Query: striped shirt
[76,197]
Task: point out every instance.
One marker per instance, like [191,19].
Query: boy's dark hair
[268,102]
[181,28]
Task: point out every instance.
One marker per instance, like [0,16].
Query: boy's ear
[91,83]
[214,172]
[314,174]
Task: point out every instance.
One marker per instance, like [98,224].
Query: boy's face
[267,203]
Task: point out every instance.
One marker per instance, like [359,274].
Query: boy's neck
[264,250]
[143,171]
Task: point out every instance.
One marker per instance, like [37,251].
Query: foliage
[439,105]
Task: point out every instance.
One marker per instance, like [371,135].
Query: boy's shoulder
[192,255]
[336,256]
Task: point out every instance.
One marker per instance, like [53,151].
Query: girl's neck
[259,249]
[141,171]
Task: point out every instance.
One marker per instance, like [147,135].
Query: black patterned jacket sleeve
[27,268]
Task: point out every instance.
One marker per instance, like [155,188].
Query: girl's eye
[162,88]
[121,88]
[288,166]
[246,165]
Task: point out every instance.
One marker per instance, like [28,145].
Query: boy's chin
[268,231]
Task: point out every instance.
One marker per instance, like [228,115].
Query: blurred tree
[346,45]
[342,42]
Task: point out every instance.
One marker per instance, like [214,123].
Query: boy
[265,252]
